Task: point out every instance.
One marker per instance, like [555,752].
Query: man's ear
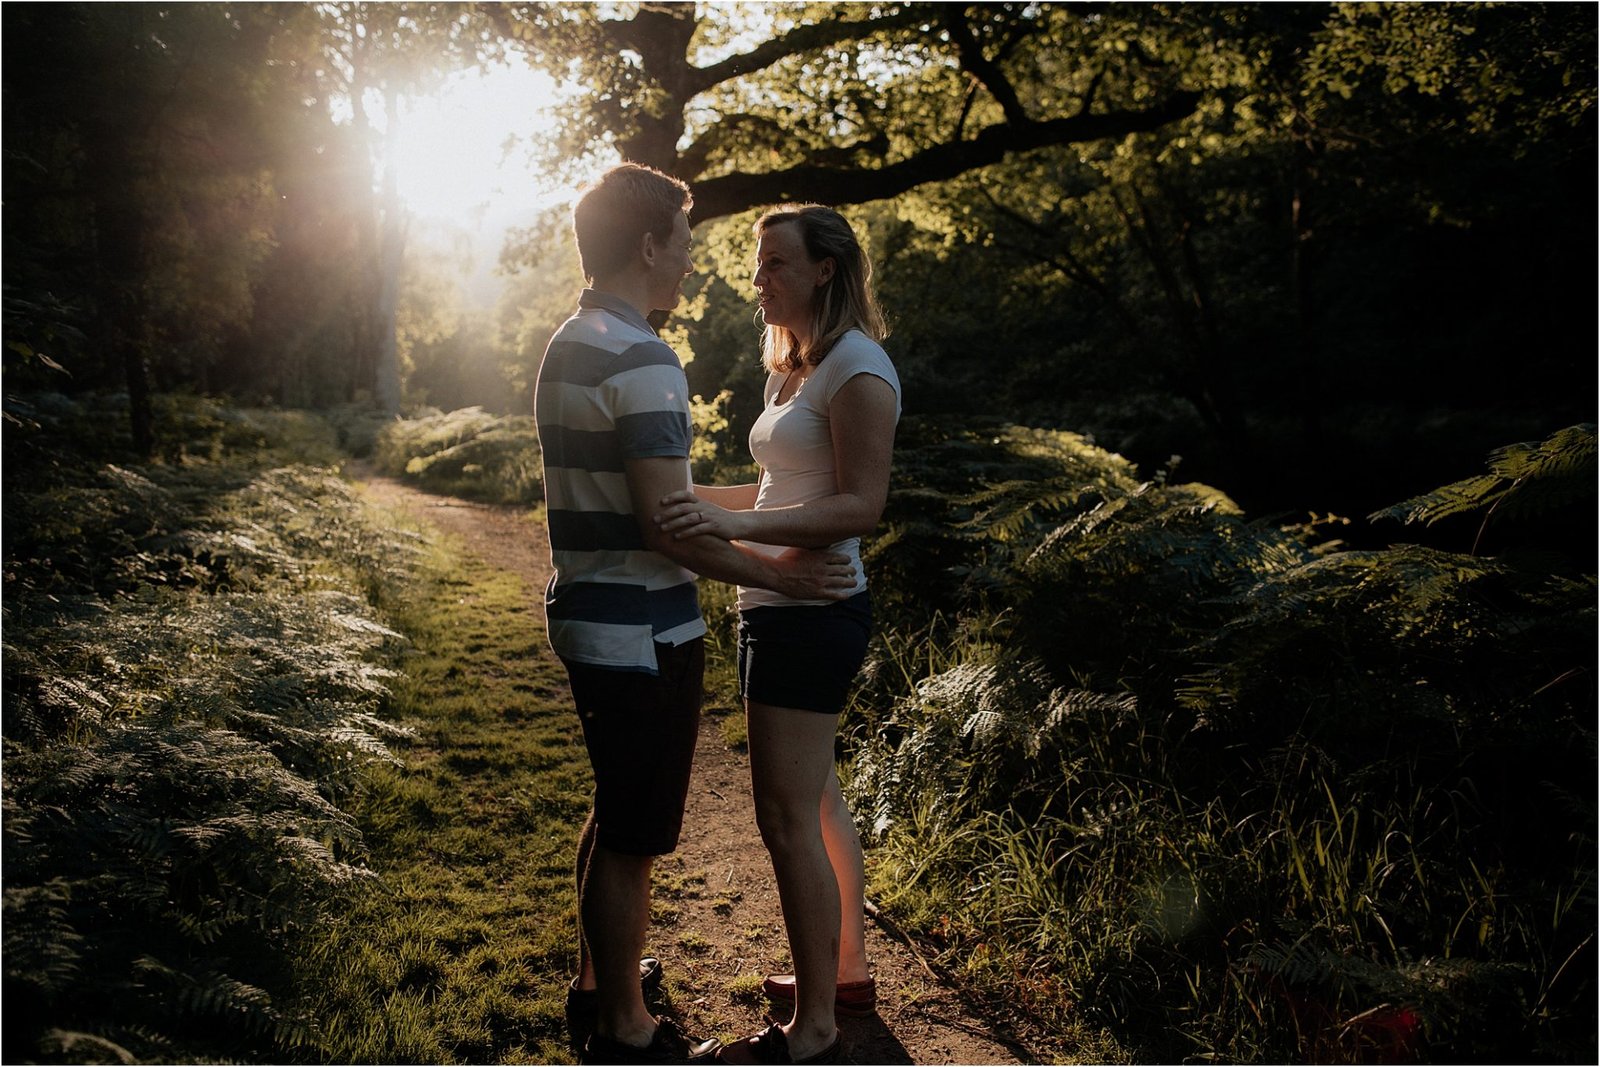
[647,248]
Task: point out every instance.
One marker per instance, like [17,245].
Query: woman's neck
[797,351]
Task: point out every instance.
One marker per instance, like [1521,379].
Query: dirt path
[716,922]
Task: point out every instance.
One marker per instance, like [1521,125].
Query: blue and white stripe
[609,390]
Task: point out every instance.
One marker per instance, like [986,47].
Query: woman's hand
[684,515]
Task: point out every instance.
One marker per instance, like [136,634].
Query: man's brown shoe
[669,1045]
[849,998]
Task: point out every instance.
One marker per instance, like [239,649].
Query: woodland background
[1242,545]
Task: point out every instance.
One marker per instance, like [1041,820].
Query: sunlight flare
[462,154]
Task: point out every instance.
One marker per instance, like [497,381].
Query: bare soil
[717,926]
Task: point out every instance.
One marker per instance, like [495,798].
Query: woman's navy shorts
[805,656]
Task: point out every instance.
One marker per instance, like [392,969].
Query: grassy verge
[455,960]
[466,453]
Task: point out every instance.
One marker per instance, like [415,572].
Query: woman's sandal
[771,1046]
[849,998]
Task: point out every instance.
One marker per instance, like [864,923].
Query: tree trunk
[386,372]
[141,415]
[119,243]
[1301,251]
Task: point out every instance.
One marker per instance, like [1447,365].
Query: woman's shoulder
[855,352]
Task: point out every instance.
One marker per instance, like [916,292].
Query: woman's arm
[796,573]
[862,420]
[731,497]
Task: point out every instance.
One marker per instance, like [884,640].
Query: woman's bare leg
[843,843]
[791,763]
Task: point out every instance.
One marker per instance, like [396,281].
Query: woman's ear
[825,272]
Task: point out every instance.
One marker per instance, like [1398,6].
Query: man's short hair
[613,215]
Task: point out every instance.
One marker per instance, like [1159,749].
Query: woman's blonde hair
[844,303]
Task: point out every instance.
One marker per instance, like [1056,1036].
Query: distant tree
[305,341]
[197,195]
[377,55]
[134,183]
[541,292]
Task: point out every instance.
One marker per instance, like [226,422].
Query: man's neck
[629,288]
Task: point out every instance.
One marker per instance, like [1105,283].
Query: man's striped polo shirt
[610,390]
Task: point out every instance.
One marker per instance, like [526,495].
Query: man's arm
[799,574]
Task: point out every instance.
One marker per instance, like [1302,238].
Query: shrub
[466,453]
[967,500]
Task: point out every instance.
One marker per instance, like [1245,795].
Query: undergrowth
[467,453]
[1230,789]
[245,819]
[195,675]
[1128,760]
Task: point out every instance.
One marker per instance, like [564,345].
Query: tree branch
[975,63]
[1058,253]
[732,193]
[798,41]
[969,98]
[693,159]
[660,33]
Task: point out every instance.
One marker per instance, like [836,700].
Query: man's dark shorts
[640,730]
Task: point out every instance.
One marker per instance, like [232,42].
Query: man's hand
[809,574]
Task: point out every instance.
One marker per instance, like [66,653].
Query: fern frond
[42,947]
[1067,705]
[77,1047]
[1523,479]
[1458,498]
[1008,510]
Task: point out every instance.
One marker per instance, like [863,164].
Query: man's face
[673,264]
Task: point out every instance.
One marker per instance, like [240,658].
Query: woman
[824,442]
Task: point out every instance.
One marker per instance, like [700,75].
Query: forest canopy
[1286,242]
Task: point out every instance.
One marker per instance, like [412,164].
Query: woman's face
[787,278]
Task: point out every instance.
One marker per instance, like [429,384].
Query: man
[622,608]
